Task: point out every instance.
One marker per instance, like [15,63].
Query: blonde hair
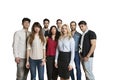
[68,31]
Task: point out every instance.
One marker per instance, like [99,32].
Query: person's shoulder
[91,31]
[71,39]
[29,32]
[92,34]
[49,38]
[77,33]
[18,32]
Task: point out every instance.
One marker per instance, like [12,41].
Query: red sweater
[51,47]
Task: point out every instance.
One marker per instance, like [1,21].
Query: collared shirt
[77,38]
[36,49]
[19,43]
[45,32]
[66,45]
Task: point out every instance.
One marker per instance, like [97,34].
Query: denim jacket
[77,38]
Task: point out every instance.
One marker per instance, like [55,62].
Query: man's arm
[93,46]
[15,47]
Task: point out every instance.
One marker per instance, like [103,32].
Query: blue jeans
[77,65]
[33,65]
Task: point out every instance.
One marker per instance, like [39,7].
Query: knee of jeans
[41,78]
[33,79]
[77,66]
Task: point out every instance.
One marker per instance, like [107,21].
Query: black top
[59,33]
[87,44]
[46,33]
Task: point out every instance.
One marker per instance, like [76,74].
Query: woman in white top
[36,52]
[65,53]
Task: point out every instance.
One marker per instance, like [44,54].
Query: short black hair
[58,20]
[82,22]
[26,19]
[73,22]
[46,20]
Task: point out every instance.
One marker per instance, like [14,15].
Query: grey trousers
[22,71]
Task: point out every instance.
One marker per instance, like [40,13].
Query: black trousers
[52,72]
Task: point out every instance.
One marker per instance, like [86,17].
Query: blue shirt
[77,38]
[66,45]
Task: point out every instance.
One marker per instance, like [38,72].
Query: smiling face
[59,24]
[64,30]
[26,24]
[53,30]
[46,24]
[73,26]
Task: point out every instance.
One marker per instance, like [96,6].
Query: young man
[45,28]
[77,37]
[19,49]
[59,24]
[88,44]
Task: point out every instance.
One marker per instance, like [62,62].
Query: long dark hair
[57,33]
[32,35]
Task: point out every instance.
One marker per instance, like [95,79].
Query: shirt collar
[24,30]
[45,29]
[86,31]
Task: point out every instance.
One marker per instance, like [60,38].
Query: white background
[102,16]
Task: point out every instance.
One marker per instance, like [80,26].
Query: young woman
[52,42]
[36,52]
[65,53]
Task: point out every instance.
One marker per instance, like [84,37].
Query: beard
[46,26]
[73,29]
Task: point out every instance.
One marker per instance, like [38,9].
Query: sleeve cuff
[55,61]
[71,63]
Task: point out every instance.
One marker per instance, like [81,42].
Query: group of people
[58,47]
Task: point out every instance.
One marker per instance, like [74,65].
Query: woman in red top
[52,42]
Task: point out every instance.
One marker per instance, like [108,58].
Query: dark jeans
[52,72]
[77,65]
[33,65]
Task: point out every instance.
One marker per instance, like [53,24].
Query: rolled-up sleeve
[56,56]
[28,44]
[44,45]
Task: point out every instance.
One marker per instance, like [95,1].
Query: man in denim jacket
[77,37]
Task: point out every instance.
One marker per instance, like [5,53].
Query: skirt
[63,63]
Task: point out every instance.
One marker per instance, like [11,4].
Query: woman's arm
[28,54]
[56,57]
[72,47]
[44,53]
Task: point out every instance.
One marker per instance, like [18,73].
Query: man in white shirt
[19,49]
